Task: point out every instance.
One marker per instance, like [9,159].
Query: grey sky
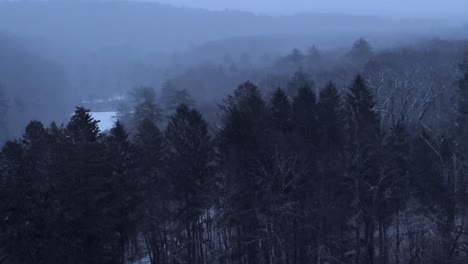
[405,8]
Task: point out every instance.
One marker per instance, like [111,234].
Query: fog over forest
[88,50]
[234,131]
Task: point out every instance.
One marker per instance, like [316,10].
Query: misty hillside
[105,47]
[87,50]
[34,84]
[145,26]
[108,47]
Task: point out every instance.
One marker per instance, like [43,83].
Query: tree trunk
[358,243]
[397,246]
[369,233]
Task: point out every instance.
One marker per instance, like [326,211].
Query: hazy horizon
[449,9]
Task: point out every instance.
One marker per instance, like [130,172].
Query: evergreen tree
[27,226]
[304,118]
[242,143]
[298,80]
[280,110]
[295,57]
[361,50]
[54,167]
[124,114]
[362,116]
[364,156]
[12,205]
[82,128]
[314,58]
[156,189]
[305,140]
[190,163]
[174,98]
[167,90]
[86,192]
[145,106]
[331,163]
[282,175]
[124,198]
[330,117]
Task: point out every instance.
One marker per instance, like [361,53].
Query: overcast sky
[405,8]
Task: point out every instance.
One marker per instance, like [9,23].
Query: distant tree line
[298,177]
[417,80]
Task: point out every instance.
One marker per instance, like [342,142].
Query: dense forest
[236,137]
[354,173]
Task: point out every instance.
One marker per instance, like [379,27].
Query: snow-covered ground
[106,119]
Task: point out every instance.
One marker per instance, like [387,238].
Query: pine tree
[86,191]
[244,117]
[190,163]
[282,175]
[280,110]
[124,198]
[145,106]
[330,116]
[82,128]
[331,163]
[361,50]
[304,118]
[156,189]
[363,118]
[298,80]
[175,97]
[12,205]
[364,154]
[295,57]
[243,145]
[314,59]
[28,209]
[124,114]
[305,140]
[166,90]
[54,167]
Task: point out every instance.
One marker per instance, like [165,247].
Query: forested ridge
[233,132]
[303,175]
